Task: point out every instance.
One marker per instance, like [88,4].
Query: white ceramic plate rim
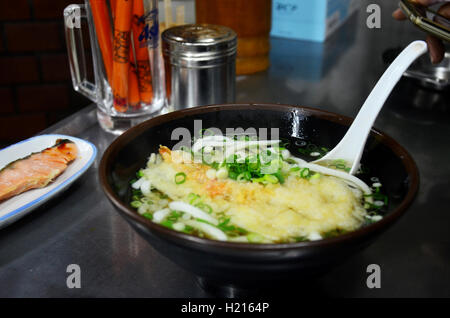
[27,207]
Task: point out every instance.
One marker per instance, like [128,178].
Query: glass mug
[128,72]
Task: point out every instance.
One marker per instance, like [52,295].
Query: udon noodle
[244,190]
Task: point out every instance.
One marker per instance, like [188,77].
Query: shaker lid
[204,39]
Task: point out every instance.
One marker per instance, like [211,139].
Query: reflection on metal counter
[426,87]
[435,76]
[431,75]
[418,104]
[200,64]
[313,60]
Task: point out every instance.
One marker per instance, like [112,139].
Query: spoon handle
[350,148]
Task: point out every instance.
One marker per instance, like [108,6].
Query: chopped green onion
[148,215]
[244,176]
[270,178]
[204,221]
[136,204]
[267,178]
[241,177]
[174,216]
[222,173]
[255,238]
[180,178]
[205,132]
[233,175]
[312,150]
[204,207]
[178,226]
[334,233]
[241,230]
[193,197]
[188,229]
[279,176]
[146,200]
[304,173]
[143,209]
[167,223]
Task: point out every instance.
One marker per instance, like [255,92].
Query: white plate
[16,207]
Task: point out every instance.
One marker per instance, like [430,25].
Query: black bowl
[254,265]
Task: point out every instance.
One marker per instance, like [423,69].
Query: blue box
[312,20]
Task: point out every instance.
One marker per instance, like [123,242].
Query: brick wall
[35,85]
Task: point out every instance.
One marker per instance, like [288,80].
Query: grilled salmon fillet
[36,170]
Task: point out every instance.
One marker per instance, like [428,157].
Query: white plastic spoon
[351,147]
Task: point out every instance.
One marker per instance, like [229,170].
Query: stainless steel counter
[81,227]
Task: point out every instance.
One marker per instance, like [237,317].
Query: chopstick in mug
[121,57]
[136,84]
[134,98]
[104,34]
[133,90]
[112,4]
[142,57]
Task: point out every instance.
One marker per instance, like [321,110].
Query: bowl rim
[406,159]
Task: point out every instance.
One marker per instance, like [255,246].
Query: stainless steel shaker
[200,65]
